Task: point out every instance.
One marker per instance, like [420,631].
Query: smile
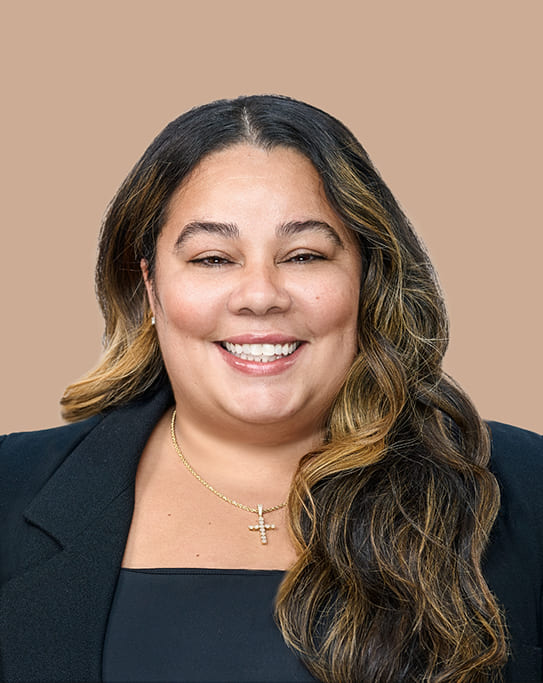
[261,353]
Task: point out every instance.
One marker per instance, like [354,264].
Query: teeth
[261,353]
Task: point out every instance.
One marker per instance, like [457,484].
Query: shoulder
[517,463]
[28,459]
[25,445]
[513,444]
[516,547]
[513,560]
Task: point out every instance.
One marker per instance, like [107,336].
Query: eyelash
[207,261]
[218,261]
[306,257]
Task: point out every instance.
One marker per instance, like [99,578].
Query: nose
[260,290]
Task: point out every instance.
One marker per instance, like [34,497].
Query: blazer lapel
[54,615]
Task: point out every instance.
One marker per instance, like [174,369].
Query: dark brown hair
[391,515]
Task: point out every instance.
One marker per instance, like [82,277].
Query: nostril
[259,296]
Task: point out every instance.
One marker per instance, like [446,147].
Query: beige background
[444,95]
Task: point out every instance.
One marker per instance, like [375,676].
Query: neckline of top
[202,571]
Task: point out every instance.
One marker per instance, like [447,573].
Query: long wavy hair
[391,515]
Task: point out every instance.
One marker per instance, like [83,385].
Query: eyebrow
[295,227]
[223,229]
[231,230]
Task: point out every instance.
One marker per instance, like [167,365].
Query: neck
[251,470]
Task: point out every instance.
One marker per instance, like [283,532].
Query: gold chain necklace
[259,510]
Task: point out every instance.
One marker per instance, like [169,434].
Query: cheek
[335,309]
[190,309]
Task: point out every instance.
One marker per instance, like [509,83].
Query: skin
[251,252]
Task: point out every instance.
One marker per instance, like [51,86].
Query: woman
[270,429]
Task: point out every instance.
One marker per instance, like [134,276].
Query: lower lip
[257,369]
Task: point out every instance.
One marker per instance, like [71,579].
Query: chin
[255,417]
[266,415]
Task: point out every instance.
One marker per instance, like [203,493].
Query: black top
[197,626]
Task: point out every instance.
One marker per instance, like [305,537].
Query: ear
[144,266]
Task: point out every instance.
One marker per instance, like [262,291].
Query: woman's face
[255,292]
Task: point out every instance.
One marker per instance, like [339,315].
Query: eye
[305,257]
[211,261]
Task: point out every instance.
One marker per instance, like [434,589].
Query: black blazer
[66,502]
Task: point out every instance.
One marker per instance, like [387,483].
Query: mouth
[261,353]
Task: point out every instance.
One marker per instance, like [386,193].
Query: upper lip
[261,338]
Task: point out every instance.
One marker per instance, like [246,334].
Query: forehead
[245,159]
[246,180]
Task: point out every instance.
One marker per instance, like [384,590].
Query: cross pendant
[262,526]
